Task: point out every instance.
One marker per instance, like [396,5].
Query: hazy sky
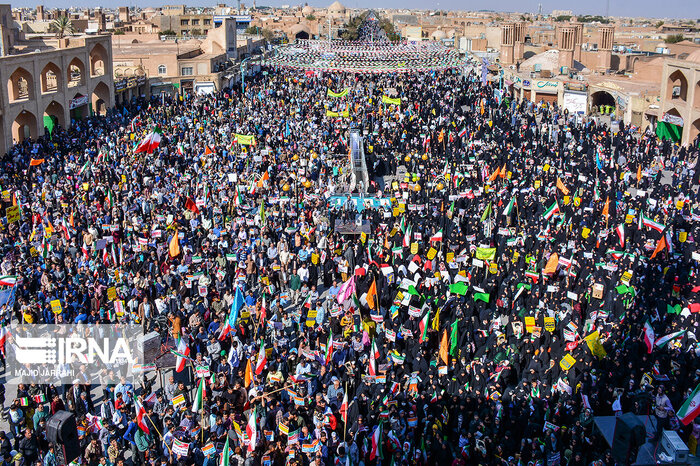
[647,8]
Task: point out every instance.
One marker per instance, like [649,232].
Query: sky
[635,8]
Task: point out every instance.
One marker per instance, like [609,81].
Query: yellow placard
[312,314]
[493,268]
[626,277]
[123,178]
[393,232]
[538,183]
[549,324]
[395,212]
[629,219]
[56,306]
[33,252]
[450,257]
[682,236]
[431,253]
[395,185]
[314,258]
[112,293]
[414,248]
[529,324]
[585,232]
[363,237]
[679,205]
[12,214]
[6,195]
[567,361]
[577,201]
[402,207]
[546,167]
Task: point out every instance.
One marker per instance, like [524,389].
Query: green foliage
[168,32]
[674,38]
[62,26]
[659,24]
[562,18]
[593,19]
[311,18]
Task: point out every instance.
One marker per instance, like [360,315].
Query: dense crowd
[512,272]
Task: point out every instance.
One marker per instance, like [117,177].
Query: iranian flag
[140,413]
[691,407]
[663,341]
[262,359]
[649,336]
[344,408]
[198,402]
[183,352]
[329,350]
[373,359]
[224,454]
[509,208]
[252,430]
[150,142]
[407,236]
[649,223]
[620,230]
[463,132]
[437,236]
[552,211]
[423,325]
[376,451]
[8,280]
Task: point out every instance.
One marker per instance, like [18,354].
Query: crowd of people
[511,272]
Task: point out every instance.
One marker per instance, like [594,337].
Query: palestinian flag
[509,208]
[150,142]
[649,223]
[663,341]
[140,413]
[649,336]
[691,407]
[198,402]
[423,325]
[551,211]
[437,236]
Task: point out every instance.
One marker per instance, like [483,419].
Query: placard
[567,361]
[414,248]
[431,254]
[12,214]
[56,306]
[549,324]
[529,324]
[112,293]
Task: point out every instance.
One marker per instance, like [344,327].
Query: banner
[593,341]
[344,114]
[180,448]
[390,101]
[343,93]
[673,119]
[245,140]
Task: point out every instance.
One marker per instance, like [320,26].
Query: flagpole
[158,432]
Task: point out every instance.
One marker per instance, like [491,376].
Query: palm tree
[62,26]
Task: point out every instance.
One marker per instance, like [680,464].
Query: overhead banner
[343,93]
[673,119]
[245,140]
[390,101]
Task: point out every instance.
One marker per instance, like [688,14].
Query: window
[195,22]
[207,22]
[162,69]
[187,71]
[184,22]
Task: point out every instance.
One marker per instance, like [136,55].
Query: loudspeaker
[630,434]
[62,430]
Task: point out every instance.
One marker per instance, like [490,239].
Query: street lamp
[243,74]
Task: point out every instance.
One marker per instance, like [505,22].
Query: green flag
[224,454]
[487,212]
[673,309]
[459,288]
[453,338]
[482,296]
[412,290]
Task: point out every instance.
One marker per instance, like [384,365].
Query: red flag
[191,206]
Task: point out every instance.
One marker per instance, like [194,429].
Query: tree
[62,26]
[252,30]
[196,32]
[674,38]
[267,34]
[659,24]
[168,32]
[562,18]
[311,18]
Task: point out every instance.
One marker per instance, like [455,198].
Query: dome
[337,8]
[438,35]
[694,57]
[307,10]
